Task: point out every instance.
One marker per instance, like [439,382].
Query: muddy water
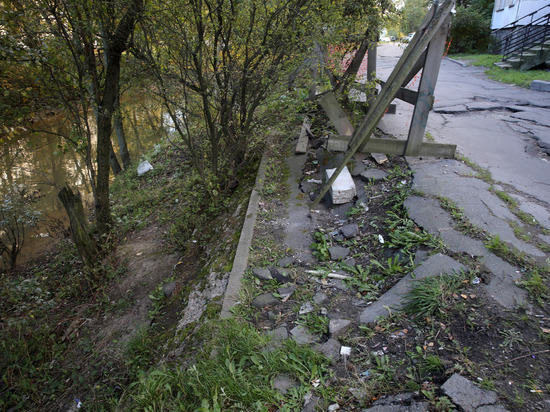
[43,162]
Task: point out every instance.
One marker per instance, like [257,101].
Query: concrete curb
[457,62]
[240,262]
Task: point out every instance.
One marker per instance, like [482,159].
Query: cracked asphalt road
[502,128]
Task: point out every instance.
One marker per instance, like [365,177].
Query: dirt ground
[501,350]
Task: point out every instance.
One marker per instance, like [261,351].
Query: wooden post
[426,89]
[336,114]
[371,61]
[85,243]
[431,24]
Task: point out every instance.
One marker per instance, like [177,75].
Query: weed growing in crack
[439,403]
[363,282]
[424,365]
[462,224]
[316,324]
[536,285]
[510,253]
[321,246]
[510,338]
[404,234]
[392,267]
[432,296]
[523,234]
[481,173]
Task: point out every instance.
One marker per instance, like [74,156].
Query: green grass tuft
[432,296]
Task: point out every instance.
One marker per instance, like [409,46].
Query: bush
[16,214]
[470,31]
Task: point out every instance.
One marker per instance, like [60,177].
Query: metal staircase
[526,43]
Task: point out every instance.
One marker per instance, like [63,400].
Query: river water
[43,162]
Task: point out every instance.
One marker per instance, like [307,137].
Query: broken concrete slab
[286,292]
[460,243]
[480,106]
[338,252]
[502,286]
[379,158]
[539,212]
[451,109]
[301,146]
[262,273]
[453,179]
[302,336]
[357,168]
[306,307]
[343,189]
[539,117]
[330,349]
[435,265]
[428,214]
[469,397]
[350,231]
[267,299]
[337,327]
[279,334]
[298,225]
[320,297]
[374,174]
[540,85]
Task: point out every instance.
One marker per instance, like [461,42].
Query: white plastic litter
[144,167]
[345,351]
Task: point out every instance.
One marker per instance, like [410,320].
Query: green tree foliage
[16,216]
[215,62]
[412,13]
[20,91]
[483,7]
[79,46]
[470,31]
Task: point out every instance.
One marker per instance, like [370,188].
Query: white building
[508,11]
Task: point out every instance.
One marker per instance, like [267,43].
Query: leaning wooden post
[435,18]
[426,90]
[85,243]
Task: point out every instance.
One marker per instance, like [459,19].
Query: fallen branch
[522,356]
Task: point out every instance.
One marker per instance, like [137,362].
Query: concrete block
[540,85]
[343,189]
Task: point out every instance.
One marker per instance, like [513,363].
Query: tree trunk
[115,165]
[85,243]
[121,136]
[116,45]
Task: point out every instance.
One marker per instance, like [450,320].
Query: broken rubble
[468,396]
[267,299]
[343,189]
[338,252]
[302,336]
